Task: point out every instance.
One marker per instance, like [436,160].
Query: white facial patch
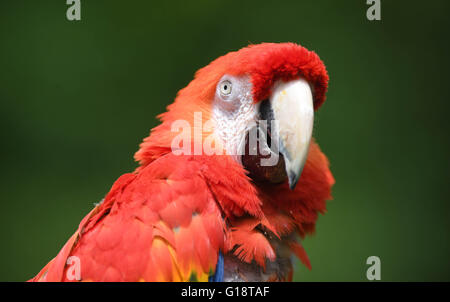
[234,113]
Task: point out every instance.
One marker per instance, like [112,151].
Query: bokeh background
[76,98]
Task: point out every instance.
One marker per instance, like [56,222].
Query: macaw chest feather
[279,269]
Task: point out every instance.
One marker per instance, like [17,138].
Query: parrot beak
[293,111]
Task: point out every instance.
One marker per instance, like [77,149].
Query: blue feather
[218,275]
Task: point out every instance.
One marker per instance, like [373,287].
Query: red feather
[169,219]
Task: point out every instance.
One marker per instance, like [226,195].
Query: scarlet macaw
[182,217]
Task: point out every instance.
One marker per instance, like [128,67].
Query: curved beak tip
[293,109]
[293,179]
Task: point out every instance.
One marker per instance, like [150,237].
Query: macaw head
[270,86]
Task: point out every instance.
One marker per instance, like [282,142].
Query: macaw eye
[225,87]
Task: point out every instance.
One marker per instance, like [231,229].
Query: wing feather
[161,224]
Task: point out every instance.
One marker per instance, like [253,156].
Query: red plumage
[168,220]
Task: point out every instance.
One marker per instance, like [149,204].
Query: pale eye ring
[225,87]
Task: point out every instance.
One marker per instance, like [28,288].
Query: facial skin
[286,120]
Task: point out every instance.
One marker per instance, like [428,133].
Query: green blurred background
[76,98]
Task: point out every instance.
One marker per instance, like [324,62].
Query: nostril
[265,111]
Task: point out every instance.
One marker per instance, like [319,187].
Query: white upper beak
[293,111]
